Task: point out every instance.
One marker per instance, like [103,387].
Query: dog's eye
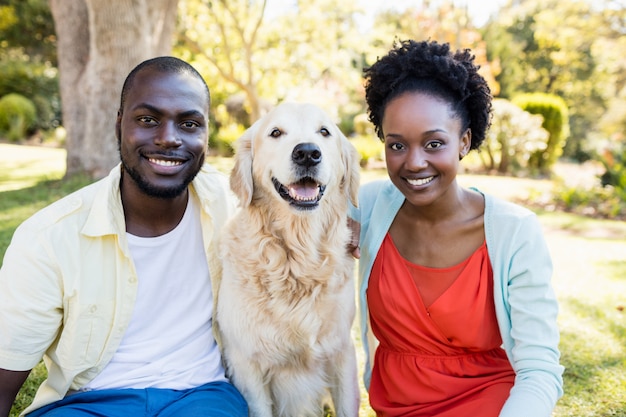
[276,133]
[324,132]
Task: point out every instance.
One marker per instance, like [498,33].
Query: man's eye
[147,120]
[276,133]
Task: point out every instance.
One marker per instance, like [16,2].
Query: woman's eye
[190,124]
[396,146]
[433,145]
[324,132]
[276,133]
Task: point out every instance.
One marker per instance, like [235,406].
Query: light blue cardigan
[526,306]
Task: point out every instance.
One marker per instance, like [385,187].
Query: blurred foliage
[256,54]
[17,116]
[441,21]
[38,82]
[514,136]
[555,122]
[28,58]
[574,59]
[362,125]
[369,148]
[224,142]
[27,25]
[242,48]
[614,162]
[597,202]
[605,197]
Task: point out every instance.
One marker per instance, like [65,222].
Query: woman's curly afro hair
[431,68]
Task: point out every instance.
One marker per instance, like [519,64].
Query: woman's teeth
[420,181]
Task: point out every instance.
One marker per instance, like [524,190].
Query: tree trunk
[99,42]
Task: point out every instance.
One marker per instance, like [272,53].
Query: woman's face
[423,146]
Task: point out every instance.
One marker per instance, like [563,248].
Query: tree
[574,59]
[99,42]
[235,27]
[28,57]
[275,55]
[440,21]
[513,137]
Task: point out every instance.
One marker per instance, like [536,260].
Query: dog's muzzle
[304,194]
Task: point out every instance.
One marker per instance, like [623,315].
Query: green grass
[25,166]
[588,254]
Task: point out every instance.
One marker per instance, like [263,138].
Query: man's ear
[118,126]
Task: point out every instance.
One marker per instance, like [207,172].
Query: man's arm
[10,384]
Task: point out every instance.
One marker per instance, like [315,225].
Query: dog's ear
[351,179]
[241,176]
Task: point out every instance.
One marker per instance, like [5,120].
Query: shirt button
[132,280]
[93,308]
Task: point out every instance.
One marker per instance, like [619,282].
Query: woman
[454,284]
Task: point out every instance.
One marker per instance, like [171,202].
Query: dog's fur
[286,301]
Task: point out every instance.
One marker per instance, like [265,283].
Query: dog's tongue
[306,190]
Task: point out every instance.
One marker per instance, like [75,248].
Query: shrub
[39,83]
[513,137]
[614,162]
[362,126]
[224,142]
[46,117]
[596,202]
[346,125]
[369,148]
[607,200]
[17,115]
[555,121]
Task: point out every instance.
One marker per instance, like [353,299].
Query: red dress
[439,352]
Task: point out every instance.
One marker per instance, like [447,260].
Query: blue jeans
[215,399]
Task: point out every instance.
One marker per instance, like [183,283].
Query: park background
[556,68]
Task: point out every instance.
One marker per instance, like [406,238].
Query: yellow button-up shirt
[68,283]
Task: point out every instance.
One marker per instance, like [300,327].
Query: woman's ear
[466,143]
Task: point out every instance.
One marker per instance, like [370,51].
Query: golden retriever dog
[286,301]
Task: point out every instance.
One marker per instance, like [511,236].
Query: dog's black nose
[306,154]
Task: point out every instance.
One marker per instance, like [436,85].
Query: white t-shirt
[169,342]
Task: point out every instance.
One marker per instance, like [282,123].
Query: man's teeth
[164,163]
[420,181]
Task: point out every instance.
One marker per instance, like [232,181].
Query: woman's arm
[533,310]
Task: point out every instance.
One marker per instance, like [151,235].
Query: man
[114,285]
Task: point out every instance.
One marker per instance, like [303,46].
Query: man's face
[162,132]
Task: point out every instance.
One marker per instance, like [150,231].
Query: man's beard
[160,192]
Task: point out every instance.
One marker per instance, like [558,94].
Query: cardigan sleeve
[533,310]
